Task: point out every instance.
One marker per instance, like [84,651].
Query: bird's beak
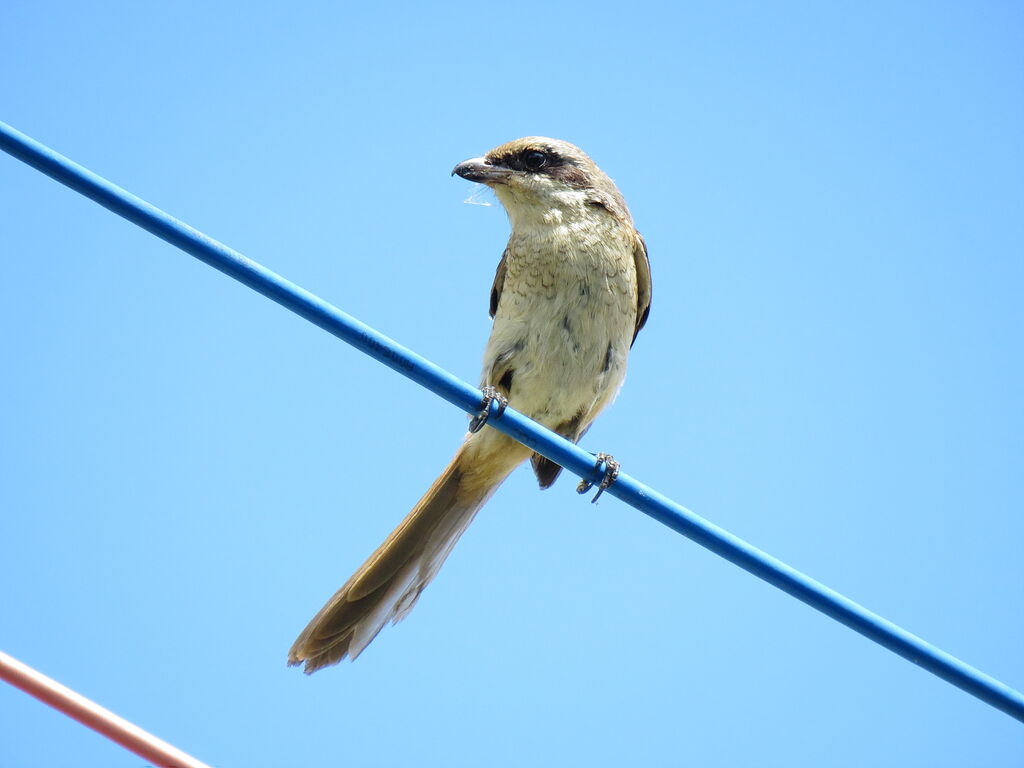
[478,169]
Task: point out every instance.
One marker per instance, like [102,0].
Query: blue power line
[526,431]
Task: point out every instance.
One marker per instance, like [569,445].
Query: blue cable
[526,431]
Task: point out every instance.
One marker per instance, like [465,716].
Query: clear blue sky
[834,203]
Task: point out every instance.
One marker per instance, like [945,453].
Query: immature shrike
[571,292]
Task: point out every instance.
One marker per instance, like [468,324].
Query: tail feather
[388,584]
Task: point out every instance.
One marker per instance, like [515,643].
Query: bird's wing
[643,283]
[499,283]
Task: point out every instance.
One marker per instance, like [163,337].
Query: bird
[570,294]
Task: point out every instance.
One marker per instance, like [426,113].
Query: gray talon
[491,395]
[611,472]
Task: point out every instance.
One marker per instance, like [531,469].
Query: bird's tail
[387,585]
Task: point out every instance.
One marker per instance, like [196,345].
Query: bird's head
[540,178]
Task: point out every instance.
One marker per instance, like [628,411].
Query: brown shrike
[571,292]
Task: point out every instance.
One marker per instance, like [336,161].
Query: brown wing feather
[544,468]
[643,284]
[499,283]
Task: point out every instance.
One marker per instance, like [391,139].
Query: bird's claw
[611,472]
[491,395]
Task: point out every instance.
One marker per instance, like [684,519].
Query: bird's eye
[534,160]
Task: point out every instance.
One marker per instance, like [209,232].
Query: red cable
[90,714]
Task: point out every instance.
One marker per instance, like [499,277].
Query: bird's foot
[611,472]
[491,395]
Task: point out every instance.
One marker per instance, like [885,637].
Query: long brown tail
[387,585]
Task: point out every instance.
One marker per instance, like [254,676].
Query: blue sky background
[833,196]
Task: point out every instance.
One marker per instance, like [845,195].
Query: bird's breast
[565,320]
